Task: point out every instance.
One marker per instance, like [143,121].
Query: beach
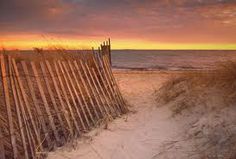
[150,131]
[128,79]
[175,112]
[138,134]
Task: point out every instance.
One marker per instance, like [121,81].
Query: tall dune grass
[205,101]
[189,85]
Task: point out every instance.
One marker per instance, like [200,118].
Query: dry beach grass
[204,102]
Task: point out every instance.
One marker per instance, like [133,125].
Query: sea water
[170,59]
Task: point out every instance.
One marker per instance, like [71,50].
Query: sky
[131,24]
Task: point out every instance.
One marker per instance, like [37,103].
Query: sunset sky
[131,24]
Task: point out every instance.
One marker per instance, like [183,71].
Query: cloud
[153,20]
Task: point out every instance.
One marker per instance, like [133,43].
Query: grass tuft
[206,103]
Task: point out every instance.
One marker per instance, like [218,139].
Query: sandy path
[137,135]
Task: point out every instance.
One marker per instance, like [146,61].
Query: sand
[137,135]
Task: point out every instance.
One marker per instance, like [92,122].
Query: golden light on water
[138,44]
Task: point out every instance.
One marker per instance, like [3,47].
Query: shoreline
[146,71]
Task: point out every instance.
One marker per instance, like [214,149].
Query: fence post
[109,50]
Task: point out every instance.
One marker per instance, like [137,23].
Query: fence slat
[106,86]
[104,100]
[2,150]
[26,103]
[49,89]
[65,72]
[82,95]
[108,66]
[66,97]
[19,119]
[87,87]
[106,75]
[110,86]
[95,91]
[52,75]
[113,84]
[35,101]
[45,103]
[29,135]
[8,107]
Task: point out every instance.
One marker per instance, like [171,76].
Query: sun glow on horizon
[30,42]
[82,24]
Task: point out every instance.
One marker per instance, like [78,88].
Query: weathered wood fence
[46,102]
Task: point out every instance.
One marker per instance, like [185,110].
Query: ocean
[169,59]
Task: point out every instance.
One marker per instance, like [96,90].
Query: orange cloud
[25,23]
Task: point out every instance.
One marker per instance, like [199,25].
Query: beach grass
[205,102]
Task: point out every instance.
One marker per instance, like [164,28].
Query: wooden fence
[46,102]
